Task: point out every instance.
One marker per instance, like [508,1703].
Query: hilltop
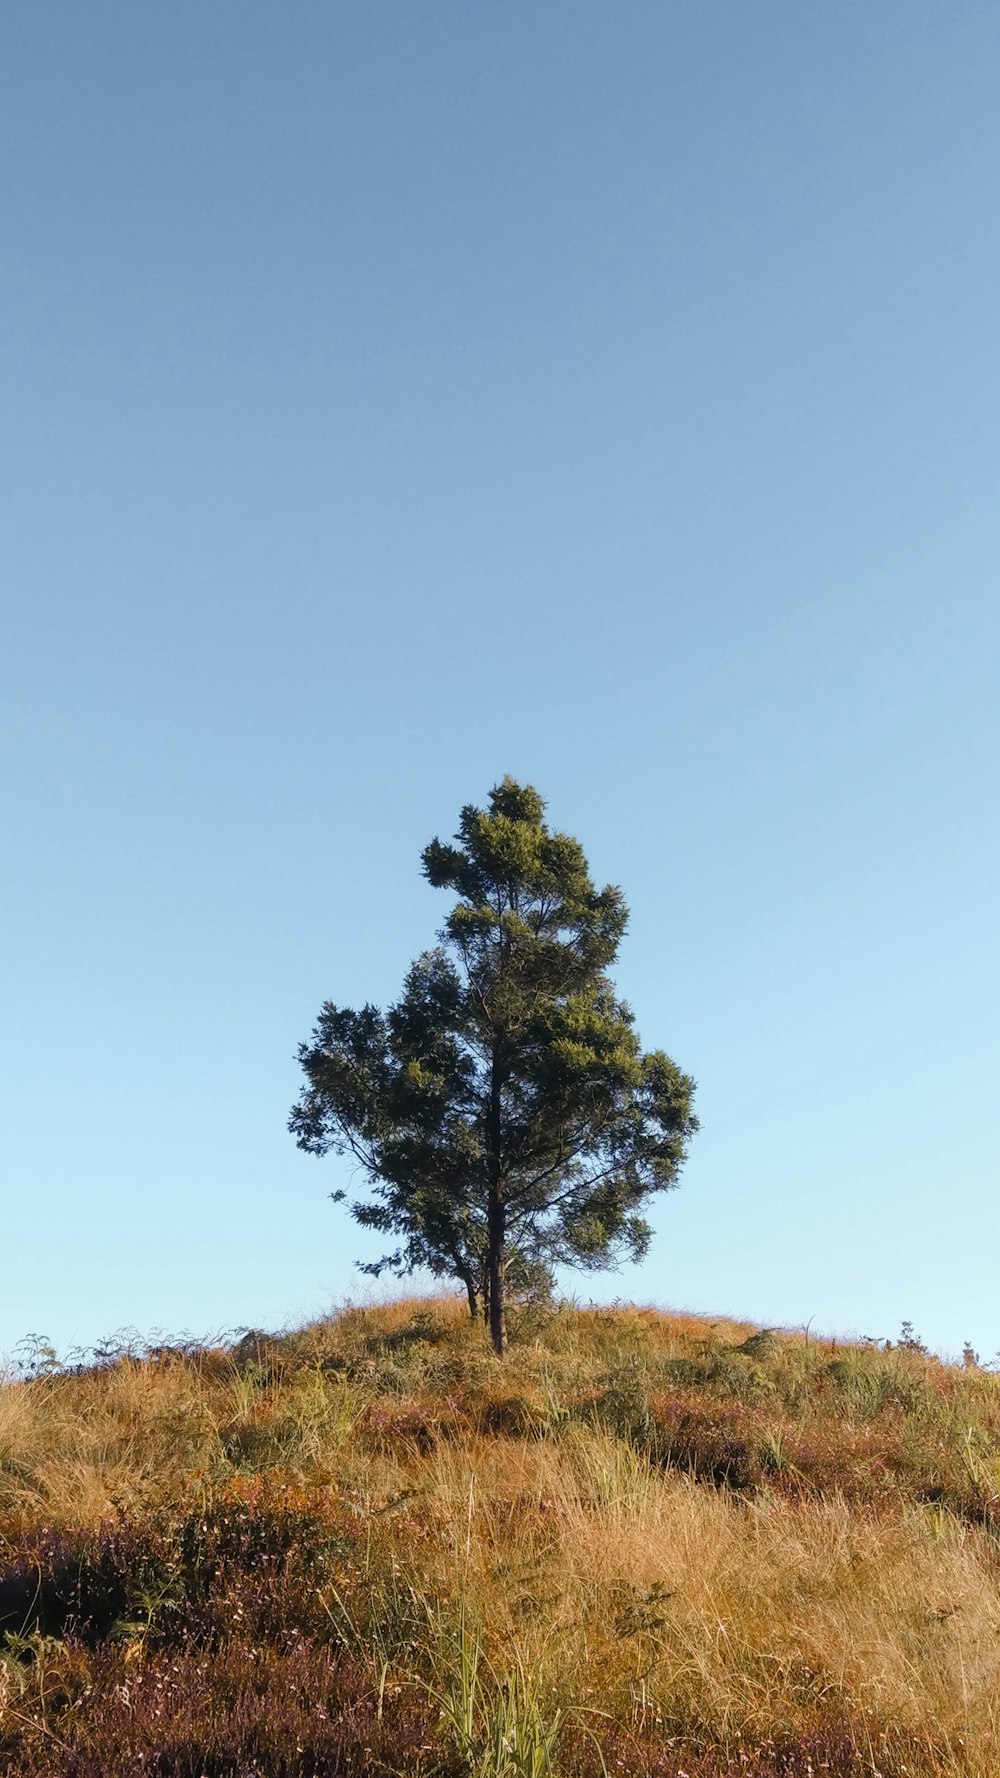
[644,1544]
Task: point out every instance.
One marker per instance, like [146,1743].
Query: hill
[645,1544]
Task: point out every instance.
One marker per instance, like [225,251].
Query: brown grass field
[645,1544]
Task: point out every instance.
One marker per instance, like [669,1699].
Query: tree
[502,1111]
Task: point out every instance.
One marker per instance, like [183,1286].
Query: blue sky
[399,396]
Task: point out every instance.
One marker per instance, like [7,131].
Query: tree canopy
[503,1113]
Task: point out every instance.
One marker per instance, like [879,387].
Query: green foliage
[500,1726]
[503,1112]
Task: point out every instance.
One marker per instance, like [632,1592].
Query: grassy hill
[646,1544]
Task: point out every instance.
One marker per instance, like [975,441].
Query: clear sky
[399,395]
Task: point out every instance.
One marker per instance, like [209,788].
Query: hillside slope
[646,1544]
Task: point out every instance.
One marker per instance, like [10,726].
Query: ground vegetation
[646,1543]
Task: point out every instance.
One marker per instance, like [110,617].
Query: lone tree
[502,1112]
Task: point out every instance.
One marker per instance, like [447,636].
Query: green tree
[502,1111]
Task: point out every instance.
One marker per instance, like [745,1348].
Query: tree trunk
[472,1294]
[498,1319]
[496,1210]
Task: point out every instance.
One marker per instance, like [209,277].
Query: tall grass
[646,1544]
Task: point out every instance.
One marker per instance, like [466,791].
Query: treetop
[519,880]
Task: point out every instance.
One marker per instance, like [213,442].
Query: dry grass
[671,1546]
